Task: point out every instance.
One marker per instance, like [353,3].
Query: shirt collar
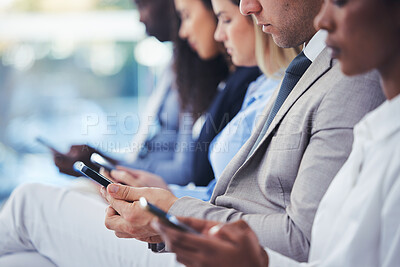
[315,45]
[381,123]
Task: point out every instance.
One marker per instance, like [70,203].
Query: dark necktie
[293,74]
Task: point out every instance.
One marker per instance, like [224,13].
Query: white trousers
[48,226]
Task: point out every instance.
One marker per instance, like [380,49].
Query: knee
[26,189]
[27,193]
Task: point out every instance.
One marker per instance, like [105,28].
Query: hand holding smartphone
[79,166]
[166,218]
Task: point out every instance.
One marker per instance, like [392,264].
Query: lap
[68,228]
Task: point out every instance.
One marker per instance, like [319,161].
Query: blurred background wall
[72,72]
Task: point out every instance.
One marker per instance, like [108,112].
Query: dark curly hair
[197,79]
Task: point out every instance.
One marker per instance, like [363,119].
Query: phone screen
[88,172]
[168,219]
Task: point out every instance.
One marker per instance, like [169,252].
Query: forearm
[276,231]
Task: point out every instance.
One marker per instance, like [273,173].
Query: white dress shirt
[358,219]
[147,119]
[315,46]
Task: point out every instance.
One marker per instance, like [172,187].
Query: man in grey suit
[278,178]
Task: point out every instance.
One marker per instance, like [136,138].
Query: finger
[59,157]
[112,219]
[129,193]
[123,192]
[115,222]
[133,172]
[122,207]
[111,212]
[200,225]
[151,239]
[133,214]
[125,178]
[104,172]
[103,193]
[182,240]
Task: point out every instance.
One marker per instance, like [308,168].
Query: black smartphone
[88,172]
[100,161]
[168,219]
[48,145]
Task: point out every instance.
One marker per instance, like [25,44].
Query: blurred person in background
[185,91]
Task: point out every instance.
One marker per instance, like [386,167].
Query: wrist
[171,202]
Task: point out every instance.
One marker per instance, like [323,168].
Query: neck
[390,74]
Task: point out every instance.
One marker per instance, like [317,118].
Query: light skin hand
[125,216]
[136,178]
[122,177]
[232,244]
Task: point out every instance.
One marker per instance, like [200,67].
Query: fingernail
[102,191]
[112,188]
[213,230]
[117,172]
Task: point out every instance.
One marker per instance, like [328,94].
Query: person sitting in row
[165,142]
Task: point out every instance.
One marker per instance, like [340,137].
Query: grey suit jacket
[278,188]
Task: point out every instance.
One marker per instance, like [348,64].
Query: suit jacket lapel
[239,159]
[320,66]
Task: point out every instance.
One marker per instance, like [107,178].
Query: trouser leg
[68,228]
[24,259]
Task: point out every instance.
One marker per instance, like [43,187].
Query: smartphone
[48,145]
[168,219]
[88,172]
[100,161]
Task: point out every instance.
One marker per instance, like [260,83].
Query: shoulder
[242,76]
[349,98]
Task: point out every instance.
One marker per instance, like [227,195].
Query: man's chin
[283,42]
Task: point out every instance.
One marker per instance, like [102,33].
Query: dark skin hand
[230,245]
[65,162]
